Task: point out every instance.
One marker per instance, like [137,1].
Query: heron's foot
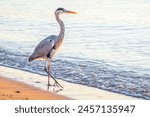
[48,85]
[57,87]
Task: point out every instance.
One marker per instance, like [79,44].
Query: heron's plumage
[44,48]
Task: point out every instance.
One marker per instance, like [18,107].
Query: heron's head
[63,11]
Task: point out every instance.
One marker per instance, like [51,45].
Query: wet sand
[13,90]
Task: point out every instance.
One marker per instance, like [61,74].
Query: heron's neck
[62,26]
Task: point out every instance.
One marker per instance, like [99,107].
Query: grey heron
[46,49]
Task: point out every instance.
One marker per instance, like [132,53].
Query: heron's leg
[56,83]
[47,71]
[48,67]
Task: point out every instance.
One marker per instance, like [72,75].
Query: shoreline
[72,91]
[14,90]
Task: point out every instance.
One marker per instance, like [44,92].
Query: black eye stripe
[61,9]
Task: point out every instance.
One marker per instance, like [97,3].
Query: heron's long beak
[70,12]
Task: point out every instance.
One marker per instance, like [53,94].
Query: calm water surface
[107,44]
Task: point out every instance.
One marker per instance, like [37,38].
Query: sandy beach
[13,90]
[34,88]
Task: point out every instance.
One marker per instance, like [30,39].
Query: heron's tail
[31,58]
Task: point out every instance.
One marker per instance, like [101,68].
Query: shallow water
[106,44]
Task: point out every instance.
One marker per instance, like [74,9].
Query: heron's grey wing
[44,47]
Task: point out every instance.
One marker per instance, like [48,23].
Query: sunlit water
[107,44]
